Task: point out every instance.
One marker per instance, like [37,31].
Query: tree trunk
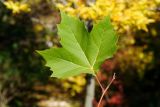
[90,92]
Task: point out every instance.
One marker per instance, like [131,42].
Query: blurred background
[29,25]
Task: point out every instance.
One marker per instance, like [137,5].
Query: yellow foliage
[38,28]
[135,59]
[123,13]
[74,84]
[17,7]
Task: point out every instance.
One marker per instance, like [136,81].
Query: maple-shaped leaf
[81,51]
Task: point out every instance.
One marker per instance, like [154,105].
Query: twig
[106,89]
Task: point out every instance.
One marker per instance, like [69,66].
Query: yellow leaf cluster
[75,84]
[17,7]
[137,60]
[124,13]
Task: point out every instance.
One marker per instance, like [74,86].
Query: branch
[106,89]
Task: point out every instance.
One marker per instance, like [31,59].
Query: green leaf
[81,52]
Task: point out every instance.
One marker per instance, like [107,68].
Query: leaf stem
[99,83]
[106,89]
